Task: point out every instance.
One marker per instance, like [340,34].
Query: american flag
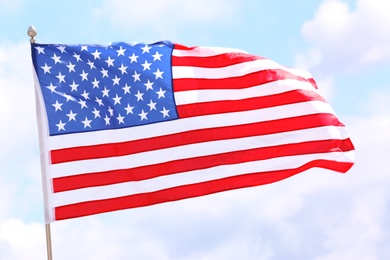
[131,125]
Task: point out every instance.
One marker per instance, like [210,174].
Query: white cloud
[378,104]
[6,5]
[312,58]
[326,87]
[17,99]
[104,237]
[348,38]
[21,241]
[363,232]
[7,190]
[165,18]
[19,159]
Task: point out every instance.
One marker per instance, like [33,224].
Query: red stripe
[189,191]
[178,46]
[190,164]
[191,137]
[239,82]
[228,106]
[313,82]
[217,61]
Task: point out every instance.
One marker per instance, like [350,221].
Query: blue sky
[318,214]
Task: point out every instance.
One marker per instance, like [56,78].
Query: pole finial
[32,32]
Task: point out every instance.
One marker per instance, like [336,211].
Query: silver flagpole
[48,242]
[32,32]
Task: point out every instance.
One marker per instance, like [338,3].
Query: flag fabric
[131,125]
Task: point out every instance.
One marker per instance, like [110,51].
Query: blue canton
[94,87]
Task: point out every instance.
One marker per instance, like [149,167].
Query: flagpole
[32,32]
[48,242]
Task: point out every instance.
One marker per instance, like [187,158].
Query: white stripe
[235,70]
[208,95]
[187,124]
[43,133]
[196,150]
[192,177]
[205,52]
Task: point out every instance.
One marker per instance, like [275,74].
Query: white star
[46,68]
[146,48]
[139,96]
[51,87]
[121,51]
[146,65]
[110,62]
[152,105]
[72,116]
[104,72]
[133,58]
[158,73]
[57,105]
[77,57]
[107,120]
[86,122]
[111,111]
[136,76]
[56,59]
[95,83]
[74,86]
[120,119]
[84,76]
[116,80]
[161,93]
[157,56]
[105,92]
[143,115]
[149,85]
[129,109]
[123,69]
[40,49]
[83,103]
[165,112]
[99,101]
[126,89]
[61,126]
[117,100]
[84,48]
[96,112]
[91,64]
[71,67]
[85,95]
[96,54]
[62,49]
[60,77]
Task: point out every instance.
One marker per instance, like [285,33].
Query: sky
[318,214]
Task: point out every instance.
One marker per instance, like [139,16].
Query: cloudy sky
[318,214]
